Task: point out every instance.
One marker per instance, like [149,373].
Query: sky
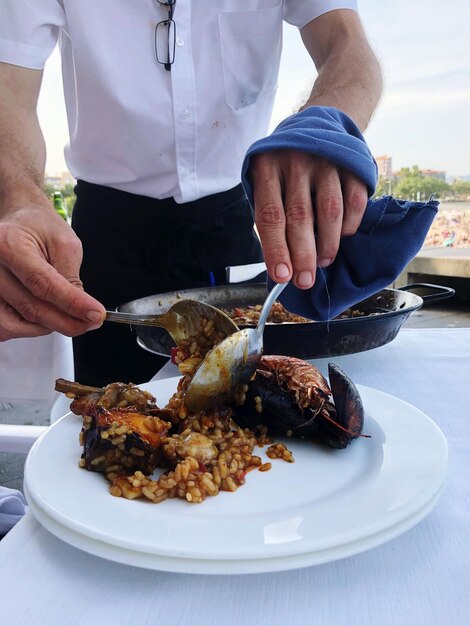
[424,115]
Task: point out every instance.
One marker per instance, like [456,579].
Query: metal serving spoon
[182,320]
[230,364]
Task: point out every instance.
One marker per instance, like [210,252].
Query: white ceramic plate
[328,504]
[218,566]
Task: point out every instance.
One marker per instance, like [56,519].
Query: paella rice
[129,438]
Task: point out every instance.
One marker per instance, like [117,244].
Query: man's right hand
[40,255]
[40,288]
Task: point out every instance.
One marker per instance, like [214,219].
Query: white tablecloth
[420,578]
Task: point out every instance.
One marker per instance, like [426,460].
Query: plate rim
[260,552]
[182,565]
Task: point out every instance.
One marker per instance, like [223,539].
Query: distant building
[439,174]
[53,181]
[384,164]
[60,180]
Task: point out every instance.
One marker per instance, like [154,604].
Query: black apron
[134,246]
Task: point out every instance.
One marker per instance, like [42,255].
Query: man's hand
[292,189]
[296,193]
[40,258]
[40,255]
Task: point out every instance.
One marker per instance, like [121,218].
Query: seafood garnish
[292,398]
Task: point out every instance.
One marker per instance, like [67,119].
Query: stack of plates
[328,505]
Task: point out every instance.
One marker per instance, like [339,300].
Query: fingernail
[305,279]
[95,327]
[324,262]
[281,270]
[94,316]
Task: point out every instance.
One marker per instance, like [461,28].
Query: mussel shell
[348,402]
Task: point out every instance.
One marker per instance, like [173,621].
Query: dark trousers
[134,246]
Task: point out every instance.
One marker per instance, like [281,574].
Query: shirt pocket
[251,43]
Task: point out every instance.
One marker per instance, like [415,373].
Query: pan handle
[441,292]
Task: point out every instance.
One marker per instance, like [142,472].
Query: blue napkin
[391,232]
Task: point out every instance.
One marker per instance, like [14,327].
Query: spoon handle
[136,319]
[272,296]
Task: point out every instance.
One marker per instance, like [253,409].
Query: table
[418,578]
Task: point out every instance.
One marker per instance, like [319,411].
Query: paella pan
[377,321]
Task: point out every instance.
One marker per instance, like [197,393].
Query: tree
[385,187]
[413,185]
[69,197]
[49,190]
[461,188]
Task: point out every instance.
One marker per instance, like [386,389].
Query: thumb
[66,256]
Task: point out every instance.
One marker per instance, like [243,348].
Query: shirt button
[179,41]
[184,114]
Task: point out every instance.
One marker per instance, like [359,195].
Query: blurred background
[419,134]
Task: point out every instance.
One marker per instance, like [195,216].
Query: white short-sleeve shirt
[137,127]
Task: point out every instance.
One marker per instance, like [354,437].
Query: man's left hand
[303,206]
